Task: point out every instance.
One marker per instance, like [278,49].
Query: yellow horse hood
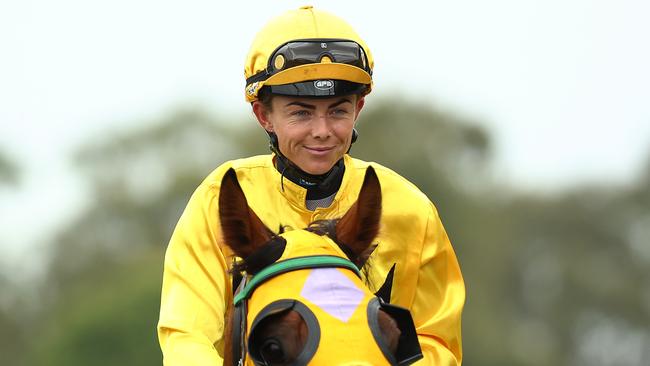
[340,312]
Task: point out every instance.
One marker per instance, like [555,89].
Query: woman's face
[313,133]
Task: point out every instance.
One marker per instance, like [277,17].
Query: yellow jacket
[196,286]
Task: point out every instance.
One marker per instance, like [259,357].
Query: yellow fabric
[340,341]
[303,23]
[320,71]
[196,287]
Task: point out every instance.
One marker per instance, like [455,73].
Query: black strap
[236,280]
[238,335]
[260,76]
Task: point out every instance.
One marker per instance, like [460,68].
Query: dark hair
[266,98]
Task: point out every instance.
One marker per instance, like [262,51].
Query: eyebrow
[340,102]
[310,106]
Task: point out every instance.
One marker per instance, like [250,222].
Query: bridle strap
[245,289]
[293,264]
[239,330]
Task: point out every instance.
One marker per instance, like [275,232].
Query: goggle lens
[297,53]
[309,52]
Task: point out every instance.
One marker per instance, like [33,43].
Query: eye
[272,351]
[389,330]
[280,332]
[339,112]
[302,113]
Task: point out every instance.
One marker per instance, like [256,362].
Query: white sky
[562,86]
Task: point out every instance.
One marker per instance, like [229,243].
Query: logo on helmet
[323,84]
[252,89]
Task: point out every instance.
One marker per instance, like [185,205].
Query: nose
[320,128]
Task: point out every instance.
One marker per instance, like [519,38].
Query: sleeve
[195,282]
[439,298]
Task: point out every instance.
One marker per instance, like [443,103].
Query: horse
[301,299]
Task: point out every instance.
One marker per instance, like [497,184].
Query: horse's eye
[272,351]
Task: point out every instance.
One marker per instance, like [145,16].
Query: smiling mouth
[319,149]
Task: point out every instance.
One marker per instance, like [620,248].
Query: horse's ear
[360,225]
[242,230]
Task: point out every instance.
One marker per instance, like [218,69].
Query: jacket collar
[296,195]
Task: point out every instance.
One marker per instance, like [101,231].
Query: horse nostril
[272,351]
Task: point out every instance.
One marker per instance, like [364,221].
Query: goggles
[313,51]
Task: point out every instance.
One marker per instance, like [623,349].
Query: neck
[318,186]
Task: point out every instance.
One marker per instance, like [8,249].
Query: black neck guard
[318,186]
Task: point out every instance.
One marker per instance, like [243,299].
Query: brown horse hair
[263,257]
[360,225]
[228,336]
[242,229]
[328,228]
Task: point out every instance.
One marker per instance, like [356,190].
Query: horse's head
[303,300]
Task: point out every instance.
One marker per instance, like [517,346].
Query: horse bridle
[408,350]
[245,290]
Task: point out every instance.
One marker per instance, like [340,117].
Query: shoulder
[244,167]
[254,168]
[392,183]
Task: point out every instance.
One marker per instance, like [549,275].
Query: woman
[307,75]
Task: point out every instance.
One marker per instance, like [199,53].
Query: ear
[360,225]
[261,113]
[243,231]
[361,101]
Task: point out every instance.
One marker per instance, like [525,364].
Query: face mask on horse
[302,300]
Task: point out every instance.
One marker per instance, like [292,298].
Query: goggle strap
[265,74]
[260,76]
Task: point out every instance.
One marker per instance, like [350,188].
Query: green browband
[293,264]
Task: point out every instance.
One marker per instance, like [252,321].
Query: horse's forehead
[303,243]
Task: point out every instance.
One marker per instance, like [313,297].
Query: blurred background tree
[11,331]
[9,171]
[552,279]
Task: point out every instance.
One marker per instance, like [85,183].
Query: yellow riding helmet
[308,52]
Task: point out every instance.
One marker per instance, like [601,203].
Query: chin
[317,169]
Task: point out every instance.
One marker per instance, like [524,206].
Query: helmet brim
[320,71]
[308,74]
[318,88]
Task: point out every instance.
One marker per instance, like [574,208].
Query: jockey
[307,75]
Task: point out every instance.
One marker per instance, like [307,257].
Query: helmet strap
[355,136]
